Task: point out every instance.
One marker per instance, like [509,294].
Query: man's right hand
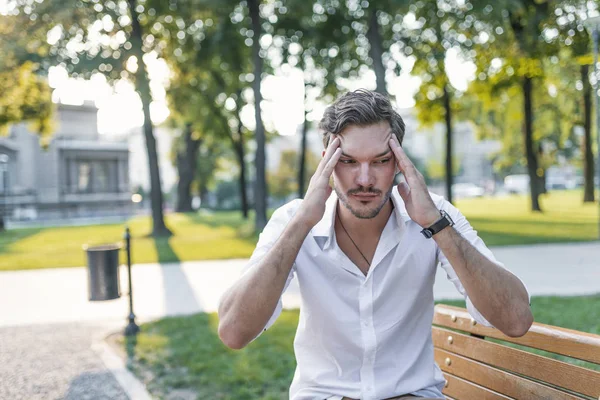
[313,205]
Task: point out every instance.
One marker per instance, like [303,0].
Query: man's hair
[361,107]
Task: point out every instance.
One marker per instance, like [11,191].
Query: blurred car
[517,184]
[465,190]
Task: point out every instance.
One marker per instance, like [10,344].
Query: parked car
[464,190]
[517,184]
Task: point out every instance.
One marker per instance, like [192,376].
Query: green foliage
[284,181]
[24,93]
[430,41]
[25,96]
[435,169]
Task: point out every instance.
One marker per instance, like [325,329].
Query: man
[365,258]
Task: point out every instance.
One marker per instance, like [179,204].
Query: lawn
[223,235]
[185,353]
[196,237]
[508,221]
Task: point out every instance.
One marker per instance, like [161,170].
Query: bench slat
[461,389]
[567,342]
[498,380]
[557,373]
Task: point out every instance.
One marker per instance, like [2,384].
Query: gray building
[78,174]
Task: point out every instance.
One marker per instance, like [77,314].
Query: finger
[403,189]
[333,145]
[404,163]
[328,170]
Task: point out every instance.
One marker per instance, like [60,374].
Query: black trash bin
[103,272]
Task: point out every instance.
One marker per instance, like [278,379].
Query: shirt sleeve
[466,230]
[274,228]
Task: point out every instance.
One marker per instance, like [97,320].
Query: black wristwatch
[442,223]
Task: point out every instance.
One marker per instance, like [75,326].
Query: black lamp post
[132,328]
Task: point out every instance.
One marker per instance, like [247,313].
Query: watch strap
[439,225]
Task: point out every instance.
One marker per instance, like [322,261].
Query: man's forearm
[495,292]
[246,307]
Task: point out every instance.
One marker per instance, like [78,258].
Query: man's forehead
[377,146]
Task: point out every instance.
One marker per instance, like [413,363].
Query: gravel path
[54,362]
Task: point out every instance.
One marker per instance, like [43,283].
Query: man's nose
[365,176]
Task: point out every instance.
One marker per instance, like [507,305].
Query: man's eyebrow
[377,156]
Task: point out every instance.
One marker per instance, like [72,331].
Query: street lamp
[593,25]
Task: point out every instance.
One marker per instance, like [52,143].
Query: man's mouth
[365,196]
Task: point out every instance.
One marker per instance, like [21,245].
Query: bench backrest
[477,368]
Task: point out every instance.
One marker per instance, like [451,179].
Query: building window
[4,159]
[101,177]
[84,175]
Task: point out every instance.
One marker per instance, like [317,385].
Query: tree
[260,190]
[573,34]
[24,91]
[519,24]
[106,38]
[186,161]
[25,95]
[142,84]
[211,81]
[437,32]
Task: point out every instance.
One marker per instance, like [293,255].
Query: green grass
[508,220]
[196,237]
[186,353]
[223,235]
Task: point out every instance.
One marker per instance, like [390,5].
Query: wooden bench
[480,369]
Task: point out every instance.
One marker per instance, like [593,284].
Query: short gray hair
[361,107]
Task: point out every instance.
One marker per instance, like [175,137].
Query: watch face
[445,215]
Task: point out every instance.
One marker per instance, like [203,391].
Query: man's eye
[382,161]
[347,161]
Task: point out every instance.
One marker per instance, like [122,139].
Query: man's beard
[363,214]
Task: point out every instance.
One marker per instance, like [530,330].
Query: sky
[120,108]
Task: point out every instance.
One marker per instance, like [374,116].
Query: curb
[132,386]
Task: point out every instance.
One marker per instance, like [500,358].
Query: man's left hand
[414,192]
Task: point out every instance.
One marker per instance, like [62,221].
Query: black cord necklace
[337,213]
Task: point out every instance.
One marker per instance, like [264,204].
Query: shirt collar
[325,227]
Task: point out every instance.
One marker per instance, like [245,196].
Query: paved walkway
[56,361]
[47,325]
[60,295]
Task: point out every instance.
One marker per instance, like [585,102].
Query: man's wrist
[435,217]
[301,223]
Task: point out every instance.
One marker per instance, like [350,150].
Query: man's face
[364,176]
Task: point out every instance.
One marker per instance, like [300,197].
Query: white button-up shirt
[367,337]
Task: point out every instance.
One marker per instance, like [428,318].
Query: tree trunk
[302,169]
[241,155]
[203,193]
[143,88]
[448,121]
[186,167]
[376,51]
[588,156]
[240,151]
[260,191]
[532,162]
